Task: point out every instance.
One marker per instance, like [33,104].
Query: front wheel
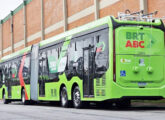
[77,103]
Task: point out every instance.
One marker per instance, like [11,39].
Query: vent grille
[104,80]
[97,82]
[53,92]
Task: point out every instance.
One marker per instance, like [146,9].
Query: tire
[77,103]
[4,99]
[64,98]
[23,99]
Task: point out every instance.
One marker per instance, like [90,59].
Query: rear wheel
[4,99]
[23,99]
[77,103]
[64,98]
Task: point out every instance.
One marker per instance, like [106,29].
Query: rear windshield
[139,40]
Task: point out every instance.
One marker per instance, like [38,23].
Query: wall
[18,30]
[157,5]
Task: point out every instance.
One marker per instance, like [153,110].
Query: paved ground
[16,111]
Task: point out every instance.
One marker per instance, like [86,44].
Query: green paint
[21,52]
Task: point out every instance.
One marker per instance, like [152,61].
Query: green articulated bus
[106,60]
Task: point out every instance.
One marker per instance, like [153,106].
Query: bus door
[43,72]
[88,72]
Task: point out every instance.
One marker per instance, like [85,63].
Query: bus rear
[138,59]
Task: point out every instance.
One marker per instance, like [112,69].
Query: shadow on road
[138,106]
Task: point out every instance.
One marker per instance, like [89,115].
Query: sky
[8,5]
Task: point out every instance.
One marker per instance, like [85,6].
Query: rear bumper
[118,92]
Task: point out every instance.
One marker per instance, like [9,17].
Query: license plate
[142,84]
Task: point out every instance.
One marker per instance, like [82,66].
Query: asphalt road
[16,111]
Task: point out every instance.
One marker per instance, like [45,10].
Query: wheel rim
[63,97]
[76,97]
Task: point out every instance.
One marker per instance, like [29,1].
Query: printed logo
[100,47]
[125,60]
[134,40]
[134,44]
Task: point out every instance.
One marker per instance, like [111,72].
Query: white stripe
[54,27]
[106,3]
[34,36]
[18,44]
[7,50]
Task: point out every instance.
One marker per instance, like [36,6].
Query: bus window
[14,72]
[43,65]
[71,71]
[52,60]
[102,51]
[43,72]
[79,58]
[26,70]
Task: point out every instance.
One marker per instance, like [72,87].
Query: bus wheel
[23,99]
[4,99]
[77,103]
[64,98]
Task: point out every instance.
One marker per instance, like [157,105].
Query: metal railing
[138,16]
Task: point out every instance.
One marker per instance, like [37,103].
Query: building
[36,20]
